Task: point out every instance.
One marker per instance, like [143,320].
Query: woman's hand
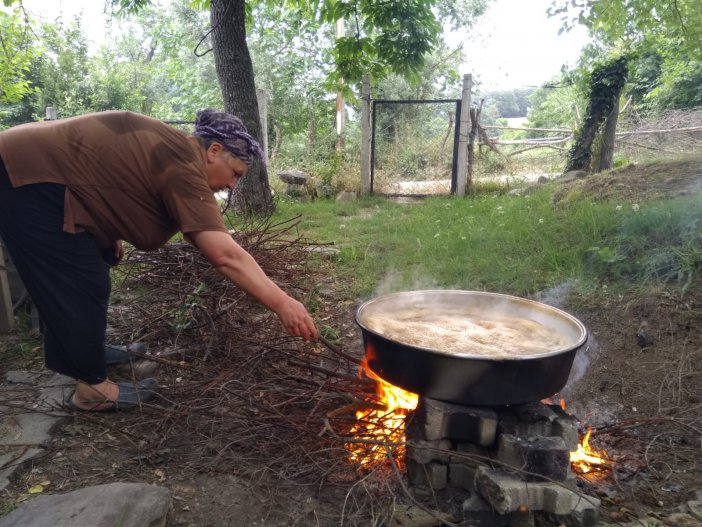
[230,259]
[296,320]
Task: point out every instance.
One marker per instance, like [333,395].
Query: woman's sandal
[121,354]
[131,395]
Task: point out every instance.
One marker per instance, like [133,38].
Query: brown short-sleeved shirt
[127,176]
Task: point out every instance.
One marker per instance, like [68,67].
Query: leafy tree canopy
[16,53]
[382,38]
[631,21]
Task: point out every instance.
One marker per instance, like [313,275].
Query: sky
[514,45]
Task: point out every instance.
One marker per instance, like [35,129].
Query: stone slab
[123,504]
[294,177]
[13,459]
[32,428]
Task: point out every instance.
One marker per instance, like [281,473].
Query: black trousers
[65,275]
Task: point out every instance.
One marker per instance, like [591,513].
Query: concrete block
[566,426]
[542,456]
[427,451]
[423,450]
[428,419]
[535,419]
[539,419]
[440,420]
[469,454]
[431,475]
[478,513]
[585,514]
[507,493]
[462,476]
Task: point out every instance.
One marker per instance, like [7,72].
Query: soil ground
[637,384]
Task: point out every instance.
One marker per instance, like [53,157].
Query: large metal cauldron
[467,378]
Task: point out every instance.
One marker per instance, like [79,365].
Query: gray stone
[57,379]
[123,504]
[346,195]
[22,377]
[695,508]
[26,429]
[12,461]
[295,190]
[294,177]
[682,520]
[536,457]
[330,253]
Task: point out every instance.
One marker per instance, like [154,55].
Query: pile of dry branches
[239,395]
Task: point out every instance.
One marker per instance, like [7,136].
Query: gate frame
[456,135]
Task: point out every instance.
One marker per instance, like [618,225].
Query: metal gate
[414,147]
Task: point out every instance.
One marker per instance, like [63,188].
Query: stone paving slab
[110,505]
[27,424]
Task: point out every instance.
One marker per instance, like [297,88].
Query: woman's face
[223,168]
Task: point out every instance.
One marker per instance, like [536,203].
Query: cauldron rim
[482,357]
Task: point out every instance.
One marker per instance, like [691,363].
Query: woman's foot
[108,396]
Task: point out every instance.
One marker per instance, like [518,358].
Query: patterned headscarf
[228,129]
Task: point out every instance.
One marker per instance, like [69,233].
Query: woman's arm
[230,259]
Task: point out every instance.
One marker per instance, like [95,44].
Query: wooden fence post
[463,132]
[7,320]
[365,135]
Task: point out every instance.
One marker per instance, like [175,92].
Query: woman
[71,190]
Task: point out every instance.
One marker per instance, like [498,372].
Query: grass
[515,244]
[497,242]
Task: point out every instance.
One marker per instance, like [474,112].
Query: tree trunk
[311,127]
[606,85]
[236,78]
[606,153]
[581,153]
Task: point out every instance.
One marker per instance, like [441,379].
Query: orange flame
[383,425]
[587,459]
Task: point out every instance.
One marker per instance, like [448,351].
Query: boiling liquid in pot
[459,333]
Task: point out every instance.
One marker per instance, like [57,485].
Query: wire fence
[414,146]
[673,133]
[514,152]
